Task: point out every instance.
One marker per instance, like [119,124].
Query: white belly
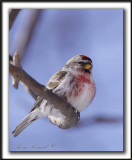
[83,98]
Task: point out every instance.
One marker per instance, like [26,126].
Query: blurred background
[46,40]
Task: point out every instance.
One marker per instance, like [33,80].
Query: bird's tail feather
[24,123]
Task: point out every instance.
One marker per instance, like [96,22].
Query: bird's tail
[24,123]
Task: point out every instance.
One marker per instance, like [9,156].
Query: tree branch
[12,16]
[22,36]
[25,37]
[18,74]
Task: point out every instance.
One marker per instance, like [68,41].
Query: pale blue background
[58,35]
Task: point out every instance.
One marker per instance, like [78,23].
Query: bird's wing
[53,83]
[56,79]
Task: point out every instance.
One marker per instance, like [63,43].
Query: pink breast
[83,79]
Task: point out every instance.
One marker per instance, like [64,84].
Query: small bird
[74,82]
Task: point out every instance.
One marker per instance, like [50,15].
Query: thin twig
[22,36]
[18,74]
[12,16]
[22,39]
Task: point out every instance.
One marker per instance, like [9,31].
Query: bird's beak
[88,66]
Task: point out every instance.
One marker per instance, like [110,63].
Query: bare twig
[59,103]
[18,74]
[22,36]
[12,16]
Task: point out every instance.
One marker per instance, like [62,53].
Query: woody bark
[19,75]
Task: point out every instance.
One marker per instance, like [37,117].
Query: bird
[74,82]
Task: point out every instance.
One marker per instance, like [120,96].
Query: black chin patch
[86,70]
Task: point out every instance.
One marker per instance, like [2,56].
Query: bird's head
[80,63]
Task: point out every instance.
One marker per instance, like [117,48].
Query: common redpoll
[74,82]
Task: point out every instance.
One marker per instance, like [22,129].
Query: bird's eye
[82,63]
